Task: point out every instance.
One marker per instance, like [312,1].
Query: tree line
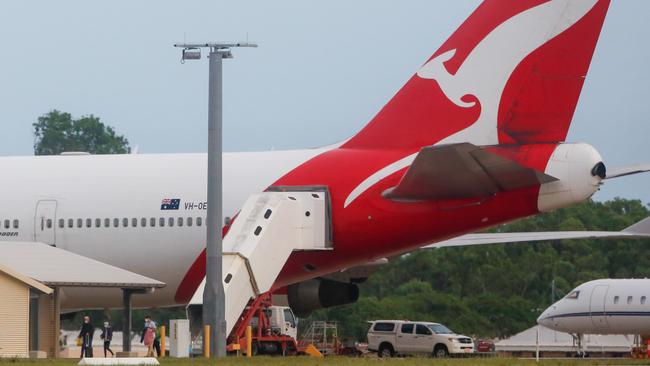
[499,290]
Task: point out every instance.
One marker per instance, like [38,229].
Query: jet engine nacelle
[579,169]
[305,297]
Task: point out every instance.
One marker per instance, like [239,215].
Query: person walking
[86,336]
[148,334]
[107,336]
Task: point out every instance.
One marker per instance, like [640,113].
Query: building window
[70,223]
[116,222]
[89,223]
[180,221]
[171,221]
[615,300]
[152,222]
[61,223]
[134,222]
[189,221]
[199,221]
[162,222]
[629,300]
[80,223]
[15,224]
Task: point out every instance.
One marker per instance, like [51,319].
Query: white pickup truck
[391,337]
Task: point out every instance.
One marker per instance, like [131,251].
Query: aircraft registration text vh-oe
[475,138]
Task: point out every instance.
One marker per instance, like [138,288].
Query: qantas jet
[474,139]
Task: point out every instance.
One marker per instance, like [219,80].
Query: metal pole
[214,305]
[126,321]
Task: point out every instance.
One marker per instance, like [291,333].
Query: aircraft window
[134,222]
[48,223]
[89,222]
[171,221]
[15,224]
[152,222]
[98,222]
[643,300]
[143,222]
[189,221]
[199,221]
[70,223]
[180,221]
[80,223]
[107,222]
[116,222]
[162,222]
[125,222]
[61,223]
[629,300]
[7,224]
[615,299]
[573,295]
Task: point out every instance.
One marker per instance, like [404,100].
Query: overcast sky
[322,70]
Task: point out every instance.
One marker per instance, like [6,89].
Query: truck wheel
[440,351]
[385,350]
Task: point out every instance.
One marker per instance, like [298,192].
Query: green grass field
[344,361]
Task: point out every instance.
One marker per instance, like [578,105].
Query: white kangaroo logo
[486,70]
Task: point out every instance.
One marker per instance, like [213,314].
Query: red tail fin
[512,73]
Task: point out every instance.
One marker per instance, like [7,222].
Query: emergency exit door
[44,222]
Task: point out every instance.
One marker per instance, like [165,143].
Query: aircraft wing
[640,230]
[627,170]
[463,170]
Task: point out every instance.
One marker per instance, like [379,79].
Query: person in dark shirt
[107,336]
[86,336]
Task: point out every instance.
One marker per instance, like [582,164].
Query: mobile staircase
[269,227]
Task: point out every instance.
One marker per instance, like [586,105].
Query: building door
[44,222]
[597,307]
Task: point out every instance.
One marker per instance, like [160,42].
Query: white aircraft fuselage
[67,201]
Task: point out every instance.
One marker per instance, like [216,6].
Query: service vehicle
[392,337]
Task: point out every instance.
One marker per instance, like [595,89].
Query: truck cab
[391,337]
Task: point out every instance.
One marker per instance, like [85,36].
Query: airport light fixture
[214,305]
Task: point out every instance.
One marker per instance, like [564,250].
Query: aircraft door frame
[45,222]
[597,312]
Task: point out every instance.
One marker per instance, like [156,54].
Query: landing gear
[578,340]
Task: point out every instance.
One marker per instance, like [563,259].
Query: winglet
[641,227]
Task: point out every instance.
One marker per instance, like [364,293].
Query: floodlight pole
[214,304]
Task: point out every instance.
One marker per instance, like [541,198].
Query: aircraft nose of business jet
[545,319]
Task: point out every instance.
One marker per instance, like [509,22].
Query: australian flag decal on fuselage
[170,204]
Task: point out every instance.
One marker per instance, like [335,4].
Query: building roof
[57,267]
[553,341]
[26,280]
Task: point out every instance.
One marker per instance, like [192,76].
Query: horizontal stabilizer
[640,230]
[458,171]
[627,170]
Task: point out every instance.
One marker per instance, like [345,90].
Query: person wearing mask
[107,336]
[148,334]
[86,336]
